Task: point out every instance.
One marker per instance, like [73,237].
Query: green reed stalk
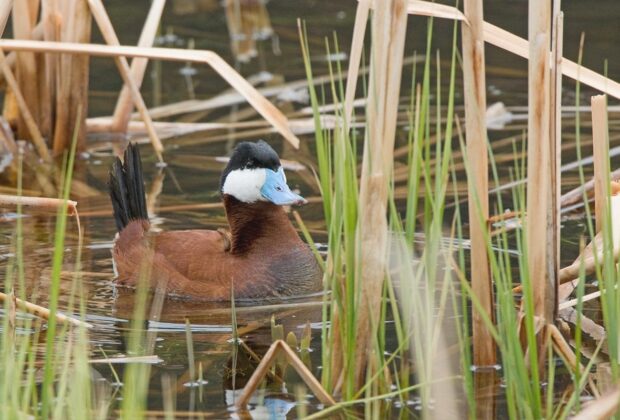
[606,270]
[57,260]
[322,144]
[339,180]
[345,225]
[136,377]
[325,183]
[10,341]
[409,315]
[462,306]
[523,394]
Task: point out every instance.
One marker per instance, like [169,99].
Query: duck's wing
[184,263]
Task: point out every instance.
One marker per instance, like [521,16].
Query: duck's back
[199,264]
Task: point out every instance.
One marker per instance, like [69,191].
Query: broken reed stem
[39,202]
[49,24]
[9,98]
[44,313]
[357,45]
[7,138]
[72,76]
[602,408]
[279,346]
[575,301]
[5,11]
[27,67]
[259,374]
[150,360]
[11,58]
[124,105]
[540,244]
[504,216]
[601,157]
[587,264]
[372,230]
[570,198]
[562,348]
[514,44]
[107,30]
[28,119]
[232,77]
[576,194]
[478,186]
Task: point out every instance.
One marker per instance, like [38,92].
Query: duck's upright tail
[127,188]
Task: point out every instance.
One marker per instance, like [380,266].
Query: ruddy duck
[261,256]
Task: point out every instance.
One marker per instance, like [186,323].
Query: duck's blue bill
[277,191]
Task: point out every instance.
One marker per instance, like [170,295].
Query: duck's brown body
[263,257]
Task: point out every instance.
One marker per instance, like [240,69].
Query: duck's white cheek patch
[245,184]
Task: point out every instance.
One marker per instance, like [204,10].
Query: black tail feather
[127,188]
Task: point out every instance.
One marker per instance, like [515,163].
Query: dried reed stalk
[372,230]
[575,301]
[48,25]
[124,105]
[357,46]
[254,98]
[601,408]
[575,195]
[72,94]
[587,261]
[5,11]
[37,35]
[149,360]
[107,30]
[519,46]
[587,264]
[601,157]
[27,68]
[555,133]
[478,192]
[44,313]
[228,98]
[26,115]
[540,247]
[9,111]
[279,346]
[427,8]
[562,348]
[7,138]
[507,41]
[38,202]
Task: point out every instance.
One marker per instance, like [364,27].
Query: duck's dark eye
[278,188]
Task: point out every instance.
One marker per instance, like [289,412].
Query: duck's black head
[254,173]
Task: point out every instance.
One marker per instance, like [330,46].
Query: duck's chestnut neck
[253,223]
